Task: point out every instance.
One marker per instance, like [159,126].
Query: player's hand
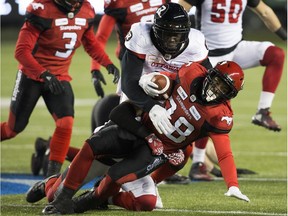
[97,78]
[52,83]
[112,69]
[176,158]
[155,144]
[235,192]
[149,87]
[160,119]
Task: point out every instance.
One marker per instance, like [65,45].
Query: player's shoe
[37,157]
[62,205]
[87,201]
[177,179]
[37,191]
[198,172]
[263,118]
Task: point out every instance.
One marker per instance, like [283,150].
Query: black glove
[97,78]
[112,69]
[52,83]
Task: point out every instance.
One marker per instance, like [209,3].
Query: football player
[199,106]
[215,18]
[52,31]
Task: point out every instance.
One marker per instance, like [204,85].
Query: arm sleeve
[27,39]
[94,49]
[132,67]
[225,158]
[104,31]
[124,116]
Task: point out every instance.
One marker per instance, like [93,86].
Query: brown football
[164,86]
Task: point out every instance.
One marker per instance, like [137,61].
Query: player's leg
[198,170]
[24,98]
[61,108]
[250,54]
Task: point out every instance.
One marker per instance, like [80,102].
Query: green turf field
[254,148]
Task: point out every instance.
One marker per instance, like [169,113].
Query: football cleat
[37,158]
[61,206]
[263,118]
[37,191]
[87,201]
[177,179]
[198,172]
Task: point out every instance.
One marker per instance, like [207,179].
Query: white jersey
[138,41]
[225,15]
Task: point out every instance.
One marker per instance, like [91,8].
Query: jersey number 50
[219,8]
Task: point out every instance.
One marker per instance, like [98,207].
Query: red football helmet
[223,82]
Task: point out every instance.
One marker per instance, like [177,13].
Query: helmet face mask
[171,28]
[223,82]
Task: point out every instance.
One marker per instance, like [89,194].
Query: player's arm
[27,39]
[270,19]
[94,49]
[227,165]
[132,66]
[104,31]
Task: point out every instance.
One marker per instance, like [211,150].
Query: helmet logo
[227,119]
[160,10]
[128,36]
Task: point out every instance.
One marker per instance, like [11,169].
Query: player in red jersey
[199,106]
[52,31]
[225,18]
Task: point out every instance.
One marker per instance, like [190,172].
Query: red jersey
[193,119]
[49,38]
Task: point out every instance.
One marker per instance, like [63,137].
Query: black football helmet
[69,5]
[223,82]
[170,29]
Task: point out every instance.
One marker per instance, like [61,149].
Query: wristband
[281,32]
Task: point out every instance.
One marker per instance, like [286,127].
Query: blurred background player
[221,23]
[52,31]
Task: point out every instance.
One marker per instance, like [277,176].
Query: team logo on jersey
[182,93]
[128,36]
[195,113]
[35,6]
[227,119]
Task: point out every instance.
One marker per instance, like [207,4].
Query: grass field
[254,147]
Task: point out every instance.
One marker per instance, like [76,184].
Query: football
[164,86]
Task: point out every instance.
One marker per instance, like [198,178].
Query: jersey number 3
[69,46]
[219,8]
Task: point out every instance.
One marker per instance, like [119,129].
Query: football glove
[52,83]
[97,78]
[160,119]
[112,69]
[176,158]
[155,144]
[235,192]
[149,87]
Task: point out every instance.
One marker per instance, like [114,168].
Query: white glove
[160,119]
[235,192]
[149,87]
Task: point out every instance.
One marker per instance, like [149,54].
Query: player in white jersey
[221,23]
